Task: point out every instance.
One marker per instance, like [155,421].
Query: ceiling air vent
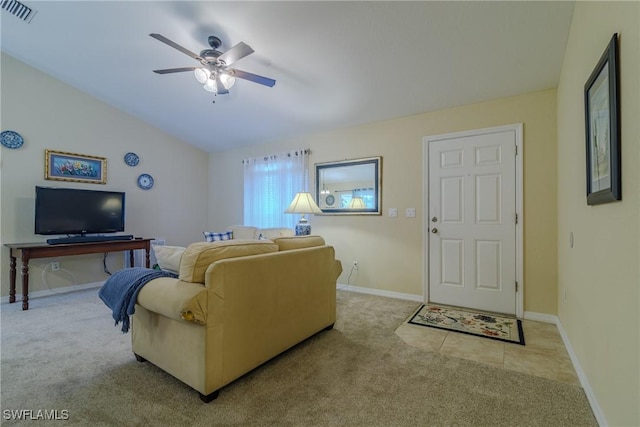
[18,9]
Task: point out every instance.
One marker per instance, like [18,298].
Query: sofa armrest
[175,299]
[338,268]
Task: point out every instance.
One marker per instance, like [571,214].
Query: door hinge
[516,149]
[516,286]
[516,218]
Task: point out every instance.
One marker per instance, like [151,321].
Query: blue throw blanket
[120,291]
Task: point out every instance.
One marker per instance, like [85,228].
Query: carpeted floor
[65,354]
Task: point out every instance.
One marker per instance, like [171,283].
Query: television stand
[28,251]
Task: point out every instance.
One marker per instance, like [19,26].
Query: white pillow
[274,233]
[169,257]
[243,232]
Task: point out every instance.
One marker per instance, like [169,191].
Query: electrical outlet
[55,266]
[356,266]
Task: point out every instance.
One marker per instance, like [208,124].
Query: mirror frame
[376,178]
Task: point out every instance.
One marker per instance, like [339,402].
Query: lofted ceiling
[337,64]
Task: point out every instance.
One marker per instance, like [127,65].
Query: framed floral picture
[63,166]
[602,126]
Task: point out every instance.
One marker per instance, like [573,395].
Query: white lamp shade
[211,86]
[227,80]
[356,203]
[303,203]
[202,75]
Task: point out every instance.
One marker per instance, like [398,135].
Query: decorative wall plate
[330,200]
[11,139]
[131,159]
[145,181]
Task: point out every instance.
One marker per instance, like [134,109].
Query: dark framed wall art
[602,125]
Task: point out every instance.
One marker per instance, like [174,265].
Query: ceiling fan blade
[175,45]
[252,77]
[174,70]
[236,53]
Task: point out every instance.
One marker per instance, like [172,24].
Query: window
[270,184]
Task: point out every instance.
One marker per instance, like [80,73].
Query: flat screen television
[78,212]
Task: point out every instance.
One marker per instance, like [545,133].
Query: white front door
[472,221]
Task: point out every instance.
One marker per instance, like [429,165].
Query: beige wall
[390,250]
[600,274]
[50,114]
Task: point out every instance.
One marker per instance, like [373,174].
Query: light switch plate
[393,212]
[410,212]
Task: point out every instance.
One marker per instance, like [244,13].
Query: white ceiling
[337,64]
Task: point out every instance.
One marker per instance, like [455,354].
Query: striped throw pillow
[210,236]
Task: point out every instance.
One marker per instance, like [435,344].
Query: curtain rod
[305,151]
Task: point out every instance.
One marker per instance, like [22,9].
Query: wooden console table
[27,251]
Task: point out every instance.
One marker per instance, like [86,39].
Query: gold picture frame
[73,167]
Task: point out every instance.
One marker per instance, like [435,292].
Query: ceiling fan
[214,72]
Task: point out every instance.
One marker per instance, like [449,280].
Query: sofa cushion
[298,242]
[198,256]
[168,257]
[274,233]
[175,299]
[243,232]
[210,236]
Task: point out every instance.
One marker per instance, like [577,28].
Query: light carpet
[487,325]
[65,354]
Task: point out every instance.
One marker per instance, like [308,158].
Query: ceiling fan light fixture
[227,80]
[202,75]
[210,85]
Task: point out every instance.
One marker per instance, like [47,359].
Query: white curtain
[270,184]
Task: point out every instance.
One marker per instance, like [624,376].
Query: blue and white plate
[11,139]
[145,181]
[131,159]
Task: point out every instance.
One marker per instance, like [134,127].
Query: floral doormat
[475,323]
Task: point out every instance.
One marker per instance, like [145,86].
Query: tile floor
[544,354]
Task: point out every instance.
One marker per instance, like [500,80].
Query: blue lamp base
[303,229]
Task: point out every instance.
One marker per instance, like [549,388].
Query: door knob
[434,230]
[434,219]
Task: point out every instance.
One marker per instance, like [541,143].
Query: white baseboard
[541,317]
[584,382]
[49,292]
[380,292]
[595,407]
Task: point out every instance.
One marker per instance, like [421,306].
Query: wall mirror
[350,187]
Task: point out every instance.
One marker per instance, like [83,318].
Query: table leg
[147,259]
[131,259]
[12,279]
[25,284]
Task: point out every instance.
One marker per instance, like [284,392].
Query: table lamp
[356,203]
[303,204]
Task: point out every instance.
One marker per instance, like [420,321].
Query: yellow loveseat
[235,305]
